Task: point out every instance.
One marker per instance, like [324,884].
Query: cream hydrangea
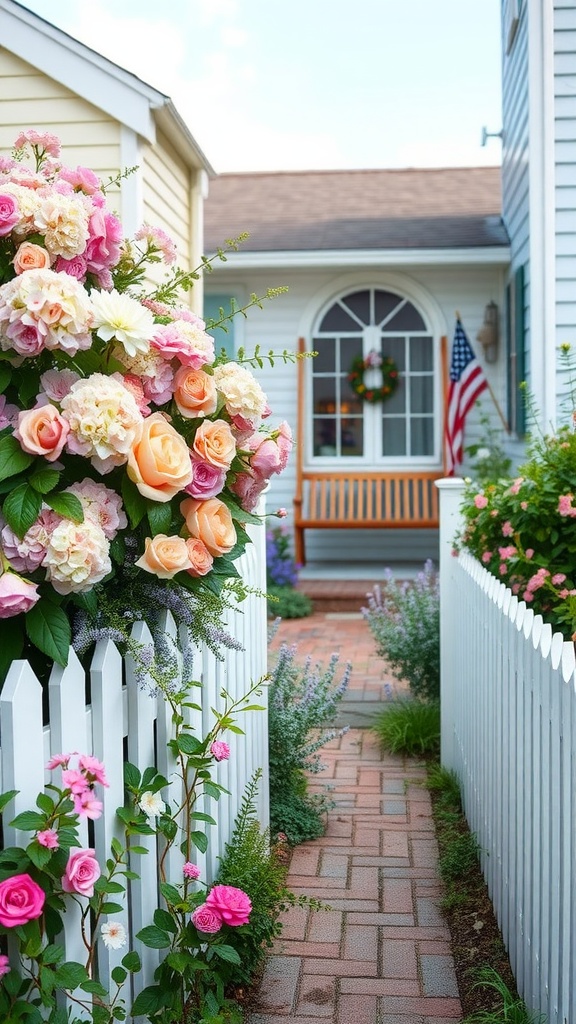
[117,315]
[28,201]
[63,220]
[43,309]
[104,420]
[77,556]
[244,398]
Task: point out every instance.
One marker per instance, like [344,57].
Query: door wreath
[373,361]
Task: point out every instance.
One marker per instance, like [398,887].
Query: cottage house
[374,260]
[106,119]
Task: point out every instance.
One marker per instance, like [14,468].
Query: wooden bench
[342,499]
[354,499]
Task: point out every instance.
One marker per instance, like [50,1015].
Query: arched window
[403,427]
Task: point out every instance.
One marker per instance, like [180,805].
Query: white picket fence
[509,732]
[122,721]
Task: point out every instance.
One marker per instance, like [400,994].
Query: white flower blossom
[113,935]
[152,804]
[119,316]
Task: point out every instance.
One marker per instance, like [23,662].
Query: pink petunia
[48,838]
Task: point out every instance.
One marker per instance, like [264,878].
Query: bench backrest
[400,499]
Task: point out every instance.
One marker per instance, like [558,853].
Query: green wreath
[373,361]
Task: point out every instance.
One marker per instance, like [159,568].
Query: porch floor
[343,586]
[381,954]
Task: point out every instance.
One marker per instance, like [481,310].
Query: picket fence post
[451,490]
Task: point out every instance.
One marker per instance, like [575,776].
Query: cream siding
[277,327]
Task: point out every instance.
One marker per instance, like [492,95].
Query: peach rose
[200,557]
[30,257]
[159,461]
[210,521]
[165,556]
[194,392]
[214,442]
[42,431]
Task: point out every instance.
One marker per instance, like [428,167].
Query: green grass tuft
[512,1011]
[409,727]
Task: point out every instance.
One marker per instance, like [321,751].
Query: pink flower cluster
[480,501]
[80,782]
[149,398]
[224,905]
[565,507]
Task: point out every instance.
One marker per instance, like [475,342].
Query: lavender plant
[303,700]
[404,618]
[284,601]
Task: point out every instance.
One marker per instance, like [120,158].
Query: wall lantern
[488,333]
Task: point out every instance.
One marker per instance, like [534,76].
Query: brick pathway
[381,954]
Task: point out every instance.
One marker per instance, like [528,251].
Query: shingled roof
[427,208]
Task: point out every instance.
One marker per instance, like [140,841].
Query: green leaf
[94,987]
[118,549]
[189,744]
[178,961]
[226,953]
[88,601]
[238,513]
[170,893]
[164,920]
[119,975]
[159,516]
[49,630]
[134,503]
[70,975]
[200,816]
[132,961]
[154,937]
[5,376]
[38,854]
[111,908]
[6,797]
[29,821]
[21,508]
[213,790]
[131,775]
[12,459]
[52,954]
[148,1001]
[67,505]
[200,841]
[44,480]
[45,803]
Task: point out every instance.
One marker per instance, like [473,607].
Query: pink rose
[42,431]
[220,751]
[21,900]
[266,458]
[82,870]
[207,480]
[30,257]
[233,905]
[16,595]
[206,920]
[75,267]
[9,213]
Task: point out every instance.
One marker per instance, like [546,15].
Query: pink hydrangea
[486,556]
[184,341]
[537,580]
[231,904]
[102,505]
[28,553]
[190,870]
[220,751]
[507,529]
[565,507]
[480,500]
[507,552]
[558,578]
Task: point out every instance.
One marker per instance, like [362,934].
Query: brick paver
[381,955]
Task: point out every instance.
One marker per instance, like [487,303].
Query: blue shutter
[223,339]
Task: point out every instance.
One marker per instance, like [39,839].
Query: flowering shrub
[131,455]
[524,531]
[196,927]
[404,618]
[284,601]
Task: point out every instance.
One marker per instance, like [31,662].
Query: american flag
[467,382]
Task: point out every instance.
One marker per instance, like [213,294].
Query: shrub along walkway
[382,954]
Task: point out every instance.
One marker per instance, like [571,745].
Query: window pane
[349,402]
[324,389]
[359,303]
[352,436]
[407,319]
[349,349]
[384,304]
[337,319]
[394,436]
[421,354]
[325,361]
[396,349]
[396,404]
[422,435]
[421,394]
[325,436]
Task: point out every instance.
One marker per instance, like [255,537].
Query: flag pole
[444,361]
[503,419]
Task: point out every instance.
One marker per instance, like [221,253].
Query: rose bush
[113,408]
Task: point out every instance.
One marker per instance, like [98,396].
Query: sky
[311,84]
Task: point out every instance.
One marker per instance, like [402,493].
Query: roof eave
[494,255]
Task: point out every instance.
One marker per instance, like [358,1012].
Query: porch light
[488,333]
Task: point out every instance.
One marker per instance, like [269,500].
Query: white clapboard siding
[509,732]
[126,719]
